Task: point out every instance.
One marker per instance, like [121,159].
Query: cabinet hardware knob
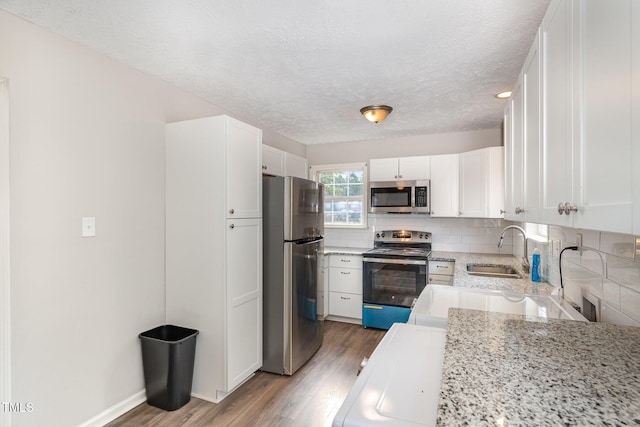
[395,176]
[232,211]
[232,226]
[519,210]
[345,298]
[560,208]
[399,176]
[264,167]
[568,208]
[502,211]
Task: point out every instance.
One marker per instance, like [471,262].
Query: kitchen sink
[493,270]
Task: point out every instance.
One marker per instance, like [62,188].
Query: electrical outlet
[579,242]
[555,248]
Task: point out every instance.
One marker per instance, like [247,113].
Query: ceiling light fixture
[376,113]
[503,95]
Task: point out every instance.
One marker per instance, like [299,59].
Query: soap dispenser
[535,266]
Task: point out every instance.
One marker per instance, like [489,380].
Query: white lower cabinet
[345,288]
[244,299]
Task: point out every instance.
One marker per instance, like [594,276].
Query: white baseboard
[220,395]
[116,410]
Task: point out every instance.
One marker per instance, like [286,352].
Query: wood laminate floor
[309,398]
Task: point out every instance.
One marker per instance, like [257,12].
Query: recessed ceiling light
[503,95]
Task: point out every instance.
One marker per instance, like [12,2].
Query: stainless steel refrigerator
[293,224]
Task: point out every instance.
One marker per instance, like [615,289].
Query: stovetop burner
[401,244]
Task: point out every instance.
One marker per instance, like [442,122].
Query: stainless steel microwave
[399,196]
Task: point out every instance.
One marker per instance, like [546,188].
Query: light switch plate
[555,247]
[89,226]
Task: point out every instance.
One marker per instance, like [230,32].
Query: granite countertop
[336,250]
[463,279]
[502,370]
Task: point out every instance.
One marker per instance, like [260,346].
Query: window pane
[344,196]
[356,189]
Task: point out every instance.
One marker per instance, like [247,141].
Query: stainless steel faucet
[525,260]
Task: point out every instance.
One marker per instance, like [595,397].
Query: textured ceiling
[305,68]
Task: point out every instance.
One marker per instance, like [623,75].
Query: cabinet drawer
[345,305]
[346,261]
[441,267]
[440,279]
[345,280]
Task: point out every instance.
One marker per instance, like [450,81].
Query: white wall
[422,145]
[86,139]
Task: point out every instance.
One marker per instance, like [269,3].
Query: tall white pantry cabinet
[214,247]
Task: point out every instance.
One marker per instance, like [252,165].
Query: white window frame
[314,175]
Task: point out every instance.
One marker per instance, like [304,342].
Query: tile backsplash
[449,234]
[605,274]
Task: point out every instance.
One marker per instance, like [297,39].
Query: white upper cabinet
[482,183]
[444,185]
[244,152]
[295,166]
[556,154]
[280,163]
[531,87]
[514,146]
[602,190]
[587,142]
[400,168]
[522,143]
[272,161]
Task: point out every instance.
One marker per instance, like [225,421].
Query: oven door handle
[395,261]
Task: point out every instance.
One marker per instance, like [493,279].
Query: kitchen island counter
[502,369]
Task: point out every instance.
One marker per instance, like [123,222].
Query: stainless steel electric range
[394,274]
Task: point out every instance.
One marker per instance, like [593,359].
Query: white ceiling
[305,68]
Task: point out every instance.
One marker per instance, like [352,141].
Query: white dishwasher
[400,385]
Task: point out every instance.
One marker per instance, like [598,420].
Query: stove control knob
[421,235]
[382,235]
[378,235]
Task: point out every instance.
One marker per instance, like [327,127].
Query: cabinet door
[444,185]
[507,125]
[602,116]
[556,154]
[383,169]
[473,183]
[243,299]
[295,166]
[272,161]
[531,148]
[515,184]
[413,168]
[243,170]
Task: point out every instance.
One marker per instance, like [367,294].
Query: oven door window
[393,284]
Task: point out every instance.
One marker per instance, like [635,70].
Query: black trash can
[168,354]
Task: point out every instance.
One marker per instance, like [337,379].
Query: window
[536,232]
[345,189]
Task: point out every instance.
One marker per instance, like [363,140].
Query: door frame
[5,255]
